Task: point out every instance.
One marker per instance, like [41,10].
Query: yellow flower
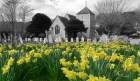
[20,61]
[68,63]
[135,67]
[31,52]
[113,57]
[127,64]
[11,52]
[82,75]
[118,73]
[64,52]
[5,69]
[27,58]
[65,70]
[138,54]
[102,55]
[47,52]
[75,63]
[138,79]
[63,61]
[0,55]
[103,79]
[112,66]
[37,55]
[84,65]
[92,78]
[10,61]
[71,75]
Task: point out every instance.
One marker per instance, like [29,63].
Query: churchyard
[46,59]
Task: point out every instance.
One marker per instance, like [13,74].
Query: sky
[66,6]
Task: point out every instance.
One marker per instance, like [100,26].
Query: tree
[40,22]
[75,26]
[24,12]
[110,14]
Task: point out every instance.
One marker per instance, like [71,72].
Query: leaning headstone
[114,38]
[77,39]
[20,39]
[82,39]
[50,38]
[71,40]
[66,39]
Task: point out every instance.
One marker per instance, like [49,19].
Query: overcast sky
[67,6]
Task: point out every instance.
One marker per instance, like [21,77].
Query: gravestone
[88,40]
[15,40]
[46,35]
[77,39]
[40,40]
[44,41]
[26,39]
[20,39]
[71,40]
[82,39]
[94,40]
[115,38]
[126,39]
[5,39]
[9,38]
[50,38]
[104,39]
[66,39]
[29,39]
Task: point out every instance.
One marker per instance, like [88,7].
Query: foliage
[40,22]
[75,26]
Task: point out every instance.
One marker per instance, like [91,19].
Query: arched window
[57,29]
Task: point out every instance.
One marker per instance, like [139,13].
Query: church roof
[64,20]
[85,11]
[71,16]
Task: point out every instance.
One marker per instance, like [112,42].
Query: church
[86,15]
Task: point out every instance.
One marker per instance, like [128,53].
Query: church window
[57,29]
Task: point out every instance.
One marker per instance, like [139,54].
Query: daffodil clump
[83,61]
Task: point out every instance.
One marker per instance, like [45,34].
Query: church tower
[87,16]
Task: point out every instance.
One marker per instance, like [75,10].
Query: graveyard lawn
[82,61]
